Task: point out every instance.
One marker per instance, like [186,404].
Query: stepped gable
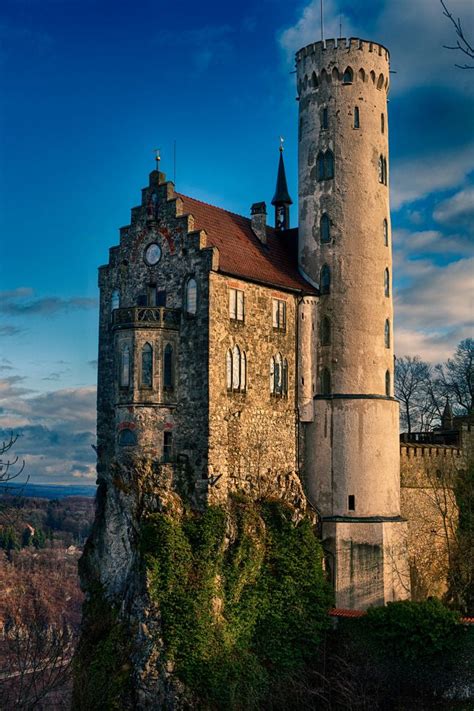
[241,252]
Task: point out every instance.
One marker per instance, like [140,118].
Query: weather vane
[282,140]
[156,151]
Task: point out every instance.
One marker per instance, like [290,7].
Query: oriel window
[146,378]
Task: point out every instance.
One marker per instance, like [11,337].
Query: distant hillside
[50,491]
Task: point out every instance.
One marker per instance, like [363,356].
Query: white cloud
[457,209]
[412,179]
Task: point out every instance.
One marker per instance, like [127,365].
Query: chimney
[258,221]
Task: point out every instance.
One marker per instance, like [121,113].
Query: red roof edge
[342,612]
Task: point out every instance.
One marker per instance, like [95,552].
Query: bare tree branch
[462,44]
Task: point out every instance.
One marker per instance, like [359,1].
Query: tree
[455,378]
[462,45]
[415,392]
[10,470]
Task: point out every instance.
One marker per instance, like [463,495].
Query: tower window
[146,376]
[127,437]
[324,228]
[279,314]
[388,387]
[167,446]
[236,304]
[385,233]
[386,282]
[387,334]
[325,382]
[125,367]
[382,123]
[168,367]
[324,118]
[382,170]
[151,295]
[348,76]
[329,165]
[356,117]
[351,503]
[325,280]
[320,166]
[314,80]
[191,297]
[325,331]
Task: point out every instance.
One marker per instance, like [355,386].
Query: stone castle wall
[428,503]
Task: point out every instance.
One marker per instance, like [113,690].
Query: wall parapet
[410,451]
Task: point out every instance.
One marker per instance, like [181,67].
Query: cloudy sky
[88,88]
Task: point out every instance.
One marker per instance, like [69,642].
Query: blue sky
[88,89]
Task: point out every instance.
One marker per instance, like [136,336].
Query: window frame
[236,305]
[325,229]
[387,333]
[356,117]
[191,313]
[146,351]
[279,314]
[125,357]
[168,367]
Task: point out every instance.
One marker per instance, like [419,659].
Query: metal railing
[146,317]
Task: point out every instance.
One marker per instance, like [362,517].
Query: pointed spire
[281,199]
[447,418]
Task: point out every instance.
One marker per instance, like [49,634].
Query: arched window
[236,368]
[146,376]
[325,280]
[320,166]
[191,296]
[125,367]
[385,175]
[278,388]
[356,117]
[348,76]
[325,382]
[168,374]
[335,74]
[329,165]
[324,76]
[387,334]
[372,76]
[324,228]
[229,370]
[127,437]
[314,80]
[385,233]
[324,117]
[362,76]
[325,331]
[382,122]
[386,282]
[115,300]
[380,81]
[387,384]
[243,371]
[278,375]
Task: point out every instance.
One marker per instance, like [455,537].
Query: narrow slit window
[125,367]
[168,367]
[385,233]
[191,297]
[386,282]
[382,123]
[325,228]
[387,334]
[356,117]
[320,166]
[229,370]
[351,504]
[146,379]
[325,280]
[325,331]
[325,118]
[388,387]
[167,446]
[325,382]
[329,165]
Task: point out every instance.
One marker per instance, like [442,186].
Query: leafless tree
[415,390]
[462,45]
[11,469]
[455,378]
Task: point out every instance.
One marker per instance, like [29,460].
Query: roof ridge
[215,207]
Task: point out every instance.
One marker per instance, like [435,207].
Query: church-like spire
[281,199]
[447,418]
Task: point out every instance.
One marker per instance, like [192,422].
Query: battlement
[342,45]
[410,451]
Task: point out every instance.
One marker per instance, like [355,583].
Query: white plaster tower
[351,444]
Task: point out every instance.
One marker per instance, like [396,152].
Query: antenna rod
[322,22]
[174,161]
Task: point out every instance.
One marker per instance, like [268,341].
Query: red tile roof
[341,612]
[242,254]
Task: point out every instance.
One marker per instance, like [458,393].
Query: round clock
[153,254]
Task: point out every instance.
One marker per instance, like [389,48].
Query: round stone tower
[352,464]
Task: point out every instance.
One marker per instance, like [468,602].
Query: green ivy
[242,597]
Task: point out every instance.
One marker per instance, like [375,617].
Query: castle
[245,357]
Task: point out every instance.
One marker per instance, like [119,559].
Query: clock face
[153,254]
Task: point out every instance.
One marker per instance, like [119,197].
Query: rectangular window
[279,314]
[161,298]
[351,502]
[151,296]
[167,446]
[236,304]
[324,118]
